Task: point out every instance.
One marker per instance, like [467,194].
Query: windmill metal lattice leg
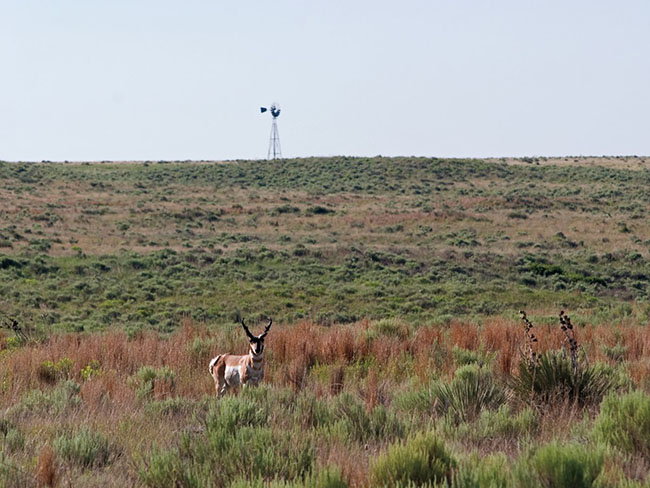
[274,151]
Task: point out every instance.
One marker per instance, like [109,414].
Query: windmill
[274,151]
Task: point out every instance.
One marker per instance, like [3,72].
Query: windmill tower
[274,151]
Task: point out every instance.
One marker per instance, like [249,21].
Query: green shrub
[234,412]
[472,390]
[390,327]
[561,466]
[14,440]
[201,348]
[421,459]
[170,406]
[464,357]
[419,400]
[148,377]
[552,378]
[624,423]
[63,367]
[93,368]
[318,210]
[616,353]
[312,412]
[237,438]
[362,425]
[248,452]
[11,475]
[65,396]
[85,448]
[166,469]
[499,424]
[324,478]
[11,438]
[483,472]
[506,424]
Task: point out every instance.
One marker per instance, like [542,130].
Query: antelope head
[257,342]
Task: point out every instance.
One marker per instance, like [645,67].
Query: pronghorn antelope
[229,371]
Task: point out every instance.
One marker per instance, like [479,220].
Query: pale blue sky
[162,79]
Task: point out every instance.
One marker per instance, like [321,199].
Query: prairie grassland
[396,356]
[87,246]
[347,392]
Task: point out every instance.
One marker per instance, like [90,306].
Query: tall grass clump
[624,423]
[47,473]
[559,376]
[421,460]
[553,378]
[472,390]
[85,448]
[561,466]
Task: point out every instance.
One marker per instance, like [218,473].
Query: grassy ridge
[334,240]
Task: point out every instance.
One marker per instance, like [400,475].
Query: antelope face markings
[229,371]
[257,345]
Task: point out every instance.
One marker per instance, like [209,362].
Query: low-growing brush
[421,460]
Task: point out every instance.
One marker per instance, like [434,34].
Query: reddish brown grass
[292,350]
[337,378]
[464,335]
[46,470]
[352,463]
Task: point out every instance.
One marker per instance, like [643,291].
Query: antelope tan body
[230,371]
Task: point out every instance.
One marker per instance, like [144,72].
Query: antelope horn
[248,332]
[266,330]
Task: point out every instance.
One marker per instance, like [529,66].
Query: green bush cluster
[11,438]
[86,448]
[64,397]
[624,423]
[420,460]
[561,466]
[147,377]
